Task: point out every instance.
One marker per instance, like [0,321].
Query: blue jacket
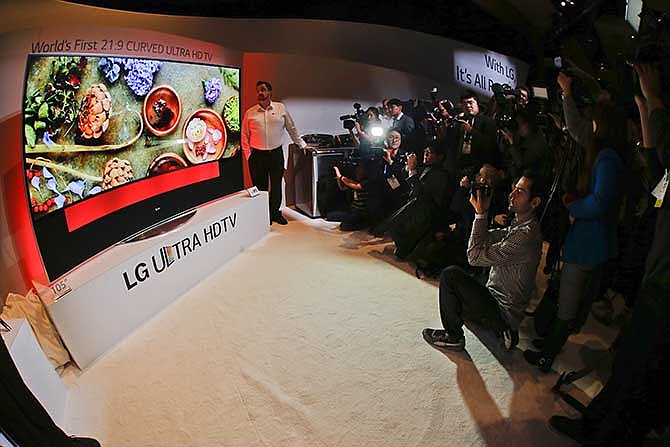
[592,238]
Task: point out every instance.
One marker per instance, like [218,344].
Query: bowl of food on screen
[162,110]
[204,136]
[166,162]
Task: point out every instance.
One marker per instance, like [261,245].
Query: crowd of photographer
[470,196]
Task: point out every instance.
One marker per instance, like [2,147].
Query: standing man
[400,122]
[403,124]
[475,142]
[262,133]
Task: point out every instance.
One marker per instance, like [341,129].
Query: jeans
[463,298]
[579,284]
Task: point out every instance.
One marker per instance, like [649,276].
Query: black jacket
[483,147]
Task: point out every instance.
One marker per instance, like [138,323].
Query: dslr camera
[485,189]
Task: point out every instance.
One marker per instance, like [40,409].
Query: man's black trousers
[463,298]
[265,165]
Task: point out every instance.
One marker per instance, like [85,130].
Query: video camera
[436,113]
[507,101]
[349,121]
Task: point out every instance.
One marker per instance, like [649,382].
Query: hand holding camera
[564,82]
[466,126]
[480,197]
[650,84]
[507,135]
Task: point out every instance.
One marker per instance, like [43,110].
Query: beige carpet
[310,338]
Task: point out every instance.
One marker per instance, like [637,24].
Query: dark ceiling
[531,30]
[523,28]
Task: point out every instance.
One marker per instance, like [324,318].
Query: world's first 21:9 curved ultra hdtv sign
[95,123]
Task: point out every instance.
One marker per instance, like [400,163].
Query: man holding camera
[474,144]
[526,147]
[262,133]
[512,253]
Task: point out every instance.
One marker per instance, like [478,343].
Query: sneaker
[538,359]
[281,220]
[441,339]
[572,428]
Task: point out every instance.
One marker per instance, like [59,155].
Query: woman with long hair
[591,239]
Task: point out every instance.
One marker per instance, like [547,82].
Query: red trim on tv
[94,208]
[19,221]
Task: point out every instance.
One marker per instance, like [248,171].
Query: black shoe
[509,338]
[280,220]
[83,442]
[377,231]
[400,254]
[538,359]
[572,428]
[538,343]
[441,339]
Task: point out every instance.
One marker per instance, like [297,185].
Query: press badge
[660,190]
[393,182]
[467,146]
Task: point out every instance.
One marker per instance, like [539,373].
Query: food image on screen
[93,123]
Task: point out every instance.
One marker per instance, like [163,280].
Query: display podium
[309,167]
[115,292]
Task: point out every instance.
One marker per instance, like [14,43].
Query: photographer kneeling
[357,218]
[512,253]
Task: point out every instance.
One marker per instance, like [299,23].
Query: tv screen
[118,143]
[92,124]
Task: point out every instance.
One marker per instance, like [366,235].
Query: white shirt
[395,120]
[263,128]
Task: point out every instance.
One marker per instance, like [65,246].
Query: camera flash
[377,131]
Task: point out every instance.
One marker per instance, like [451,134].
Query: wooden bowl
[165,162]
[169,95]
[213,121]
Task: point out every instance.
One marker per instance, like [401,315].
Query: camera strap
[467,138]
[660,189]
